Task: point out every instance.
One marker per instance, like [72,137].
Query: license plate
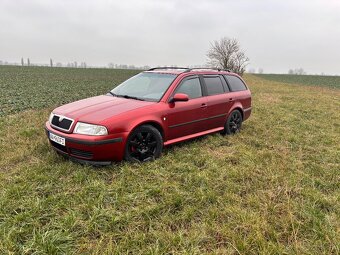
[57,139]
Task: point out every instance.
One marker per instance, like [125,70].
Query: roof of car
[179,70]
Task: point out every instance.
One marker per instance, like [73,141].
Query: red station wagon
[152,109]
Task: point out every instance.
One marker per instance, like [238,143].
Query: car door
[218,100]
[183,118]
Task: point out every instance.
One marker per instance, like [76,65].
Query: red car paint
[177,121]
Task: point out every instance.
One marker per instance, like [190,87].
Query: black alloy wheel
[233,123]
[145,143]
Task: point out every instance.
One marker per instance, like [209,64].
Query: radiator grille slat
[81,153]
[61,122]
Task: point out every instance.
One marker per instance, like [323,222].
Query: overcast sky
[276,35]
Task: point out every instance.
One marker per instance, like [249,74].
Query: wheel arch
[239,108]
[153,123]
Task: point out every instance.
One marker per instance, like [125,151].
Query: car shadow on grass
[169,150]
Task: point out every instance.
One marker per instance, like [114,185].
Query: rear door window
[235,83]
[214,85]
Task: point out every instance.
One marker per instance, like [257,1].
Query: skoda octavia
[153,109]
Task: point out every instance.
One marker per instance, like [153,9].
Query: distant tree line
[123,66]
[239,69]
[253,70]
[298,71]
[73,64]
[52,64]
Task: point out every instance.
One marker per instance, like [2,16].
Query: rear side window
[235,83]
[214,85]
[191,87]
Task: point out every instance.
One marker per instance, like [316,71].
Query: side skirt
[187,137]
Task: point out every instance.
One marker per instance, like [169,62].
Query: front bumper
[101,150]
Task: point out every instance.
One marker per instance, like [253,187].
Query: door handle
[231,99]
[204,105]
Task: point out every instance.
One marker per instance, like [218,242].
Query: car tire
[145,143]
[233,123]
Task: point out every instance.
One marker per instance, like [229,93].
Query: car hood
[99,108]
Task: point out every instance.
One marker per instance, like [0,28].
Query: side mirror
[179,97]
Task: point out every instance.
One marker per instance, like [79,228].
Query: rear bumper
[89,149]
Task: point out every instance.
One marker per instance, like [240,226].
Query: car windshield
[144,86]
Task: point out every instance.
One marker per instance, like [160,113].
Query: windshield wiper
[131,97]
[113,94]
[126,96]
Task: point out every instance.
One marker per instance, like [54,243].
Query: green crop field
[24,88]
[274,188]
[311,80]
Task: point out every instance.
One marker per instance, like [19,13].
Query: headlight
[50,118]
[89,129]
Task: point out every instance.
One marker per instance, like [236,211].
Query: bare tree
[260,70]
[226,54]
[28,62]
[22,61]
[51,62]
[241,61]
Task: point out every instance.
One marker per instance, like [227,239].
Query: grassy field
[274,188]
[311,80]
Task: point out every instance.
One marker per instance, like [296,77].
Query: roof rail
[167,67]
[187,69]
[206,68]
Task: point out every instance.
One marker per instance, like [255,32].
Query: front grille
[64,124]
[81,153]
[58,146]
